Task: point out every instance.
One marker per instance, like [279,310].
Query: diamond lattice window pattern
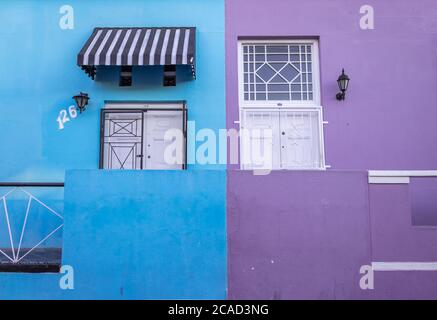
[278,72]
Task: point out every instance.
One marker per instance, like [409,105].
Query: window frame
[281,103]
[143,106]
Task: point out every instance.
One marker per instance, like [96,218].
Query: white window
[280,95]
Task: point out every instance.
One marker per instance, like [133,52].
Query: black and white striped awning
[138,47]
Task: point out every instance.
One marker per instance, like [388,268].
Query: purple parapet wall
[305,235]
[297,235]
[387,121]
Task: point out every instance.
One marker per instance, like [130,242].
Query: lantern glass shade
[81,101]
[343,82]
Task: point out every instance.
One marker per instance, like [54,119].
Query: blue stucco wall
[138,235]
[40,75]
[131,235]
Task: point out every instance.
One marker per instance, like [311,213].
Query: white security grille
[278,72]
[295,141]
[123,140]
[300,140]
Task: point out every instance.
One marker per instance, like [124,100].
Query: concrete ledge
[389,180]
[404,266]
[398,176]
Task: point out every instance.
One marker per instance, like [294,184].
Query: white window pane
[277,49]
[279,96]
[261,96]
[269,64]
[278,88]
[294,49]
[260,49]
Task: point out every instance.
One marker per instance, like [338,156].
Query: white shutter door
[122,141]
[253,144]
[300,140]
[157,123]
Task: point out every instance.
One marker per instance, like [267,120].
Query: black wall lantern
[343,84]
[81,101]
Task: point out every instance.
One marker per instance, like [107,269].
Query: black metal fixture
[169,75]
[343,84]
[126,76]
[81,101]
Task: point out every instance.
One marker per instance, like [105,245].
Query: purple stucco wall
[423,195]
[294,236]
[388,119]
[305,235]
[395,239]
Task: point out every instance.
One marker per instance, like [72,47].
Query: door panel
[157,124]
[122,141]
[300,146]
[256,123]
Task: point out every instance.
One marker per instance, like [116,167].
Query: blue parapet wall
[138,235]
